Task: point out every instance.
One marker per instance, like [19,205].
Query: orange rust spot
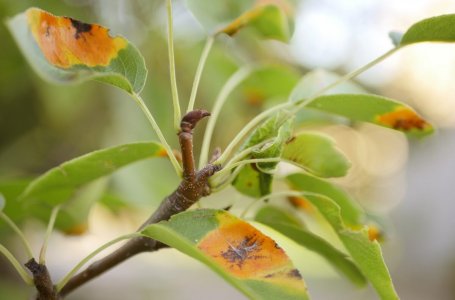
[374,234]
[254,97]
[244,251]
[66,42]
[403,119]
[301,202]
[78,229]
[162,153]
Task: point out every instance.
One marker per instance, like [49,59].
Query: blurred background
[408,184]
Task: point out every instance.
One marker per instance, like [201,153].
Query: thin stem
[200,68]
[70,274]
[297,105]
[17,265]
[50,227]
[215,187]
[19,233]
[158,132]
[249,126]
[273,195]
[225,91]
[348,77]
[170,42]
[226,170]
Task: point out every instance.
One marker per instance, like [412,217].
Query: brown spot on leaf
[66,42]
[301,202]
[403,119]
[290,140]
[374,233]
[243,251]
[78,229]
[295,274]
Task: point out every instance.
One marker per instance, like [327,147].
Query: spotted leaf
[366,253]
[374,109]
[249,260]
[285,223]
[65,50]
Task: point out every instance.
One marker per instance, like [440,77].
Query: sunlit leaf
[65,50]
[435,29]
[252,180]
[317,154]
[374,109]
[351,212]
[241,254]
[269,21]
[365,253]
[91,166]
[284,223]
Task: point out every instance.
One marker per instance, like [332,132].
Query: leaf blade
[64,50]
[365,252]
[435,29]
[213,237]
[374,109]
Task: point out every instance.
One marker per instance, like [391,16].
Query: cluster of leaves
[66,50]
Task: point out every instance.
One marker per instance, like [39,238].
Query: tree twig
[194,186]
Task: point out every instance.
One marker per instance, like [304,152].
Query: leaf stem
[297,105]
[17,265]
[249,126]
[50,227]
[170,42]
[19,233]
[226,170]
[347,77]
[225,91]
[158,132]
[200,68]
[70,274]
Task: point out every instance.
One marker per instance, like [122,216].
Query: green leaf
[249,260]
[114,203]
[271,214]
[76,172]
[65,50]
[317,154]
[366,253]
[374,109]
[269,21]
[252,180]
[282,222]
[351,212]
[435,29]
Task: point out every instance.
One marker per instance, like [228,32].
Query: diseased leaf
[242,255]
[254,180]
[65,50]
[76,172]
[269,21]
[365,253]
[435,29]
[284,223]
[317,154]
[374,109]
[351,212]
